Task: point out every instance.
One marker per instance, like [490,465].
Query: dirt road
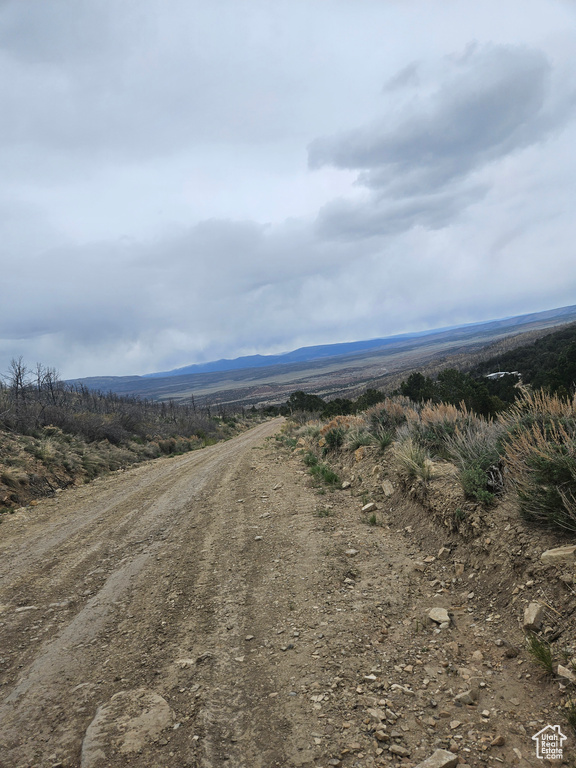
[215,610]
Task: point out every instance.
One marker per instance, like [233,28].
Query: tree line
[34,398]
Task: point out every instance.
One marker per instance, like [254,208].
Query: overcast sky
[182,180]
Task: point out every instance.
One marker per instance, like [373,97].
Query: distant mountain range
[301,355]
[320,365]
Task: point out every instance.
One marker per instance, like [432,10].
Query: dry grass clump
[412,459]
[358,436]
[390,414]
[342,422]
[435,424]
[46,450]
[13,477]
[312,430]
[541,408]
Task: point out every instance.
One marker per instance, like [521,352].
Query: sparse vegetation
[498,434]
[53,434]
[541,652]
[323,473]
[310,459]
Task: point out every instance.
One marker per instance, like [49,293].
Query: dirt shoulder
[217,609]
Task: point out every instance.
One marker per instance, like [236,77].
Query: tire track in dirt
[80,581]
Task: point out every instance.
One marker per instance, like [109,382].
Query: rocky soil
[219,609]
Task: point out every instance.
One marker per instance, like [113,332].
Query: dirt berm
[216,609]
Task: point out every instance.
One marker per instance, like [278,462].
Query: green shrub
[436,424]
[389,414]
[384,438]
[325,474]
[473,482]
[310,459]
[334,438]
[541,652]
[476,451]
[324,512]
[542,466]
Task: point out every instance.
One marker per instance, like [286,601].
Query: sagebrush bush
[390,413]
[334,438]
[435,424]
[541,461]
[476,450]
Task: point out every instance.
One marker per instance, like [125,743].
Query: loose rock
[533,616]
[439,615]
[467,697]
[567,673]
[387,488]
[559,555]
[440,759]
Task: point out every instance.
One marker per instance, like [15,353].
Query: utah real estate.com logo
[549,743]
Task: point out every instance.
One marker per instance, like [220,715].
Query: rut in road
[104,588]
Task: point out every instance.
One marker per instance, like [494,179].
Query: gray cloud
[494,100]
[407,77]
[492,103]
[386,217]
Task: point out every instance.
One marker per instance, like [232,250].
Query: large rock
[387,488]
[559,555]
[439,615]
[467,697]
[123,725]
[440,759]
[533,617]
